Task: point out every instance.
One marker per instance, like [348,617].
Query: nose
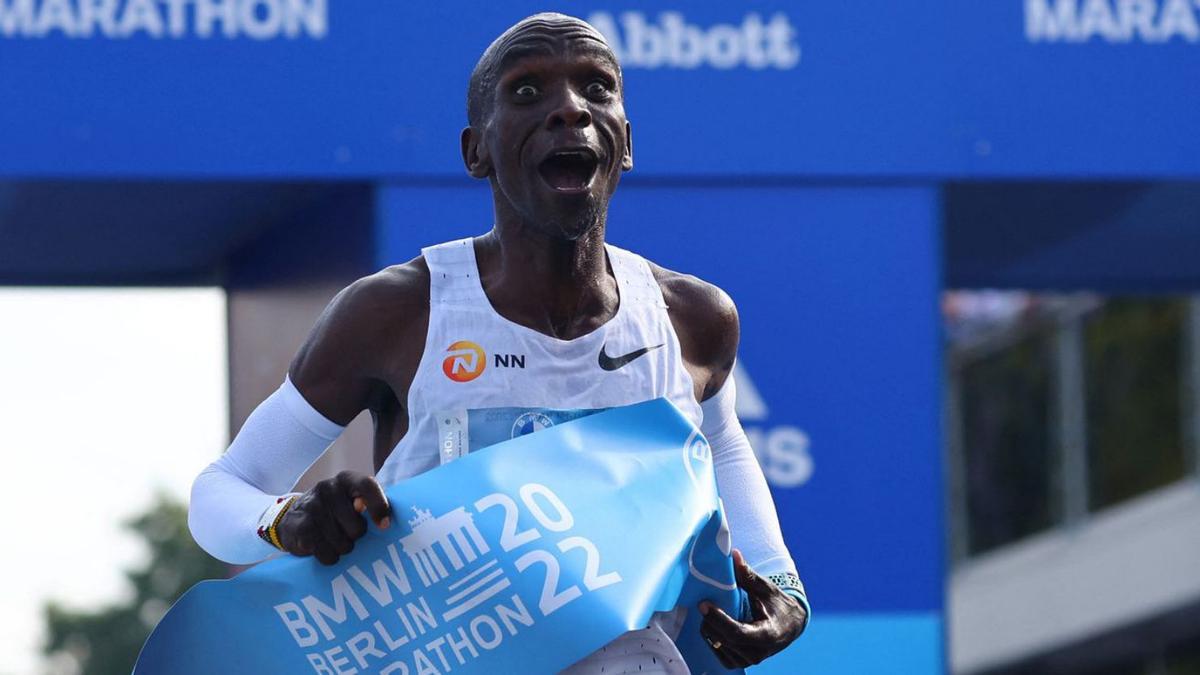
[570,112]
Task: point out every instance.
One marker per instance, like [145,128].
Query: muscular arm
[357,355]
[706,321]
[365,347]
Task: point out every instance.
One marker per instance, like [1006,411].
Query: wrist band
[790,583]
[787,581]
[269,521]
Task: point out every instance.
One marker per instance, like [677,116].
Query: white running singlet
[484,379]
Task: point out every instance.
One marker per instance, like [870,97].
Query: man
[600,327]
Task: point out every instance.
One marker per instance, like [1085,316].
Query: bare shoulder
[706,320]
[376,306]
[368,337]
[388,294]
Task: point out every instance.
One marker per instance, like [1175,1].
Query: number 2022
[559,519]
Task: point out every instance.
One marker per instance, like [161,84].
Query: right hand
[327,520]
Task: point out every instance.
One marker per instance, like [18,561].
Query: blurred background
[964,239]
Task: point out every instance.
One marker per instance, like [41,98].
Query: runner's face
[558,134]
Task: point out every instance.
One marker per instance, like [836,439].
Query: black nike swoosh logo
[613,362]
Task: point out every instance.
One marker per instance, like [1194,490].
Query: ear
[474,154]
[627,160]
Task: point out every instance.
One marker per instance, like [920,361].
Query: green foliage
[1134,371]
[1008,456]
[107,641]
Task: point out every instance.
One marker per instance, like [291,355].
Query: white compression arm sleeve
[749,508]
[281,438]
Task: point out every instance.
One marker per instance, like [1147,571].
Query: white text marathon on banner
[1115,21]
[165,19]
[442,595]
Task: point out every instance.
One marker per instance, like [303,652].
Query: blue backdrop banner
[375,88]
[524,557]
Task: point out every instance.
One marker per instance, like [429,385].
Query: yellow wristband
[269,521]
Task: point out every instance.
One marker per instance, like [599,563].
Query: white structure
[451,538]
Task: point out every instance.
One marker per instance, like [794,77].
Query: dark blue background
[928,89]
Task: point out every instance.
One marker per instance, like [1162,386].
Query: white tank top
[484,379]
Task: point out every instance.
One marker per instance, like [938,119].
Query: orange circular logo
[464,361]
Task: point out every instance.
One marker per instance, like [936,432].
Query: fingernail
[383,524]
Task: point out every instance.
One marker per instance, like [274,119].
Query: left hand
[778,619]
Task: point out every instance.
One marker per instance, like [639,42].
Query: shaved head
[545,33]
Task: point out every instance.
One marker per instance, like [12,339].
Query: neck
[556,286]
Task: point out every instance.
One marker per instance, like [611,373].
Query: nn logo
[672,42]
[466,361]
[510,360]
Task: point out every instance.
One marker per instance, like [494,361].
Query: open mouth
[569,170]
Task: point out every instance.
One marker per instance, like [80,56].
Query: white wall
[1122,566]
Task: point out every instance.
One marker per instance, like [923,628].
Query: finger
[718,648]
[739,651]
[327,523]
[723,657]
[747,641]
[302,546]
[362,486]
[333,535]
[348,519]
[293,533]
[722,627]
[325,554]
[737,657]
[754,583]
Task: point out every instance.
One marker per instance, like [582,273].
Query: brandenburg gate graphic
[451,538]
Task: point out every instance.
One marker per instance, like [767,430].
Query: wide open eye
[598,89]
